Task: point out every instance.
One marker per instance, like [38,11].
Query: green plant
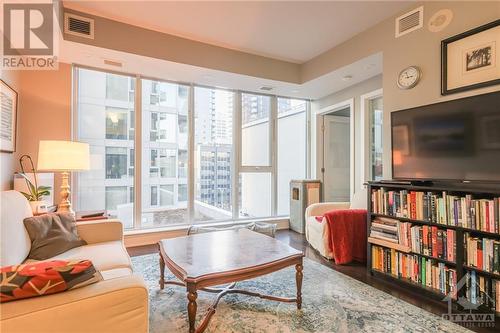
[35,193]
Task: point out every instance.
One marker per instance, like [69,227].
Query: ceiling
[295,31]
[87,55]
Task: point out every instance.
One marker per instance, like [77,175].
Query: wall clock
[409,77]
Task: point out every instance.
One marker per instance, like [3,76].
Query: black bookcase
[477,191]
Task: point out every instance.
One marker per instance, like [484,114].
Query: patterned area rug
[332,302]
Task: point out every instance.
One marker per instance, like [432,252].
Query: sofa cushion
[45,278]
[104,256]
[15,242]
[52,234]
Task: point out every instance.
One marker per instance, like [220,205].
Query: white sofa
[318,232]
[119,303]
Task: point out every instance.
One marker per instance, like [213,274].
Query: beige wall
[420,48]
[44,113]
[7,160]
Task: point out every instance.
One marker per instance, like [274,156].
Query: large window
[213,125]
[164,136]
[105,105]
[236,163]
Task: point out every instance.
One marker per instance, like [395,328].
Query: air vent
[78,26]
[410,21]
[266,88]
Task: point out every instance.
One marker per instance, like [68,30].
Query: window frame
[237,166]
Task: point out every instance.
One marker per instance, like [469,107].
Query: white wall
[354,92]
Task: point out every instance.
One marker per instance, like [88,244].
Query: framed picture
[8,116]
[471,59]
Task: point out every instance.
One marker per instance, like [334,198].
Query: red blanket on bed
[347,235]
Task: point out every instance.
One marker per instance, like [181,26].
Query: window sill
[154,235]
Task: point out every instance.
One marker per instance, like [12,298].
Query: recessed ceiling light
[346,78]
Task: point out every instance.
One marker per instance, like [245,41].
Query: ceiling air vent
[266,88]
[78,26]
[410,21]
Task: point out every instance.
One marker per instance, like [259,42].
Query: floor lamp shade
[63,156]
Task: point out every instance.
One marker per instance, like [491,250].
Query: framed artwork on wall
[8,116]
[471,60]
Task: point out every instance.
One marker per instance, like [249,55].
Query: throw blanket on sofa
[347,237]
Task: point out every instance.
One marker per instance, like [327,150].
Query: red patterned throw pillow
[45,277]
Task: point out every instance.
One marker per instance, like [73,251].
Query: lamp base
[65,205]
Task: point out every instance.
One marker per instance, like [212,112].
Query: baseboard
[152,236]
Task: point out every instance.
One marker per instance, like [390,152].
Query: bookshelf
[465,211]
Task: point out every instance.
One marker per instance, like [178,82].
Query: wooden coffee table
[212,259]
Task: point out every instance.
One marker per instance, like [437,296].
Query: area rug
[332,302]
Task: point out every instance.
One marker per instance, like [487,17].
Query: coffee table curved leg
[162,273]
[298,279]
[192,295]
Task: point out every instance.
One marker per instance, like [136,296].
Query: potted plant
[35,193]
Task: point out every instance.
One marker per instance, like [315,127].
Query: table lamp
[64,157]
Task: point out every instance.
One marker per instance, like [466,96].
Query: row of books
[439,208]
[427,272]
[481,291]
[386,229]
[434,242]
[482,253]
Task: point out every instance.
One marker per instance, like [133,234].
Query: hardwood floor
[356,271]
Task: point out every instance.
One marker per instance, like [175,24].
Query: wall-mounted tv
[457,140]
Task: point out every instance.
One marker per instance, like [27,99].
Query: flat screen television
[457,140]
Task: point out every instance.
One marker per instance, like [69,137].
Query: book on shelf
[482,253]
[483,291]
[427,240]
[426,272]
[439,207]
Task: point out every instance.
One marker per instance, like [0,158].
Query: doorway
[337,138]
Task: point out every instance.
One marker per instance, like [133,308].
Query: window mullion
[273,150]
[236,154]
[191,139]
[138,153]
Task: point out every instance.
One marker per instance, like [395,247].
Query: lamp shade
[63,156]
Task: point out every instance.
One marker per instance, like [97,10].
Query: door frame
[364,138]
[317,120]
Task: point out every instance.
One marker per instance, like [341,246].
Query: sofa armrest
[319,209]
[99,231]
[115,305]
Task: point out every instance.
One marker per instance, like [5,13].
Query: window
[116,162]
[255,138]
[255,199]
[103,113]
[269,140]
[116,123]
[291,145]
[165,141]
[213,154]
[375,107]
[154,195]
